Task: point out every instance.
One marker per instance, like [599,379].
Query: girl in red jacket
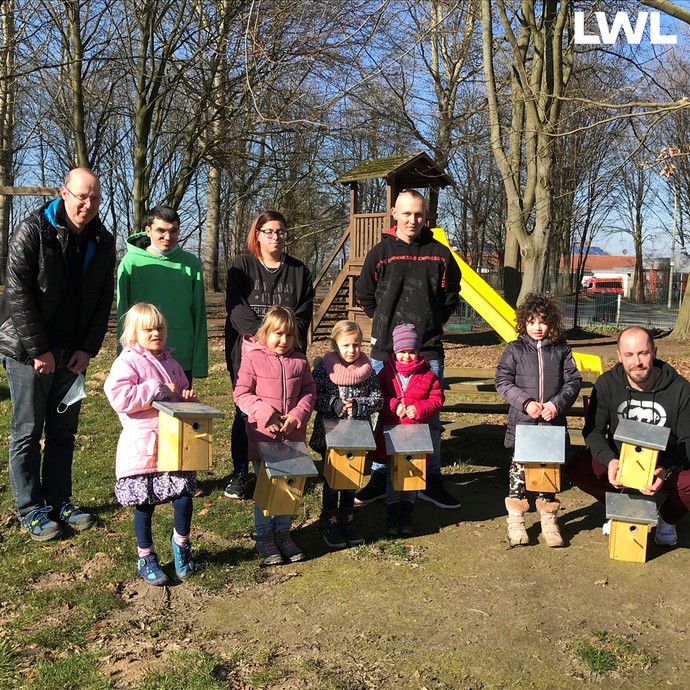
[276,390]
[412,394]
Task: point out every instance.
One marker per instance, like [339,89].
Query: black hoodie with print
[667,404]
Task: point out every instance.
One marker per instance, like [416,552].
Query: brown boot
[549,525]
[517,507]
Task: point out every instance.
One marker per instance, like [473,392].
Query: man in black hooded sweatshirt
[646,389]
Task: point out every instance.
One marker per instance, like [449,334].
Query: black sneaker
[375,490]
[436,494]
[237,487]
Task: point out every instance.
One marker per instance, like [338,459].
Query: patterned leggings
[517,484]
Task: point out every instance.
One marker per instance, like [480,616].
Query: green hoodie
[174,283]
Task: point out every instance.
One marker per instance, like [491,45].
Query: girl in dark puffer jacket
[538,378]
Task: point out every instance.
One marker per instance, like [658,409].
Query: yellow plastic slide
[496,311]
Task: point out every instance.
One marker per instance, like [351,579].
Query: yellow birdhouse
[631,517]
[282,476]
[641,444]
[541,448]
[407,446]
[185,436]
[348,441]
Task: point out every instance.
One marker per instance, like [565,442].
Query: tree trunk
[212,245]
[7,105]
[75,52]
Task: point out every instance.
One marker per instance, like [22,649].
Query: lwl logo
[633,35]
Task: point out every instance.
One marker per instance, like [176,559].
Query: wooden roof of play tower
[409,171]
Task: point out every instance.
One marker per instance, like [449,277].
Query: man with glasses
[409,277]
[157,270]
[53,318]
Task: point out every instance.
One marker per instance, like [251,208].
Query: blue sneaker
[150,570]
[39,525]
[76,517]
[184,563]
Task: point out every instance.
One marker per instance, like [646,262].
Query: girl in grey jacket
[538,378]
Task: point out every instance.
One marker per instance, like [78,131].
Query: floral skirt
[155,488]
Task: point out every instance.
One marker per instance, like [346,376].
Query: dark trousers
[591,476]
[239,447]
[40,479]
[182,517]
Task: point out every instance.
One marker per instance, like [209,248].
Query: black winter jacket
[414,283]
[666,404]
[536,370]
[251,290]
[36,279]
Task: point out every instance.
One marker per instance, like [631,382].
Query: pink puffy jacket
[268,383]
[136,379]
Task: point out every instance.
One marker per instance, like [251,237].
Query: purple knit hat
[405,337]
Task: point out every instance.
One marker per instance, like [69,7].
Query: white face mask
[76,392]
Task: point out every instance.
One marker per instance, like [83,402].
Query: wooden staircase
[333,307]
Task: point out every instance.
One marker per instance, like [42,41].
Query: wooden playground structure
[468,391]
[364,230]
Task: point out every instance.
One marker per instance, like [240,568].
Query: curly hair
[548,310]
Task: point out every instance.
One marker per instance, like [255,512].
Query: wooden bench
[472,392]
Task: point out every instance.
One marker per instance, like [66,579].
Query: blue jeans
[35,399]
[435,427]
[272,523]
[393,496]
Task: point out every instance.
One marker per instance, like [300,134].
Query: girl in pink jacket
[276,390]
[145,372]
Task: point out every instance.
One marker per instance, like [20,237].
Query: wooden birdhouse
[348,441]
[631,517]
[407,446]
[282,476]
[541,448]
[185,436]
[640,451]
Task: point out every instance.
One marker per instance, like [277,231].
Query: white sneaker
[606,528]
[665,534]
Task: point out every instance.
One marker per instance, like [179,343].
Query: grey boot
[267,548]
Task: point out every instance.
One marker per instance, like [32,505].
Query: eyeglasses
[274,233]
[160,234]
[85,197]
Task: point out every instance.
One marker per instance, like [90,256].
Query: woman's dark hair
[264,217]
[548,310]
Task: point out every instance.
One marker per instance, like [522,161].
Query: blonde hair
[141,315]
[278,317]
[344,327]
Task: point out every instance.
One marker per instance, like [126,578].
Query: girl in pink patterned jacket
[145,372]
[276,390]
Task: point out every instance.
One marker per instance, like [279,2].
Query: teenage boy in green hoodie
[157,270]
